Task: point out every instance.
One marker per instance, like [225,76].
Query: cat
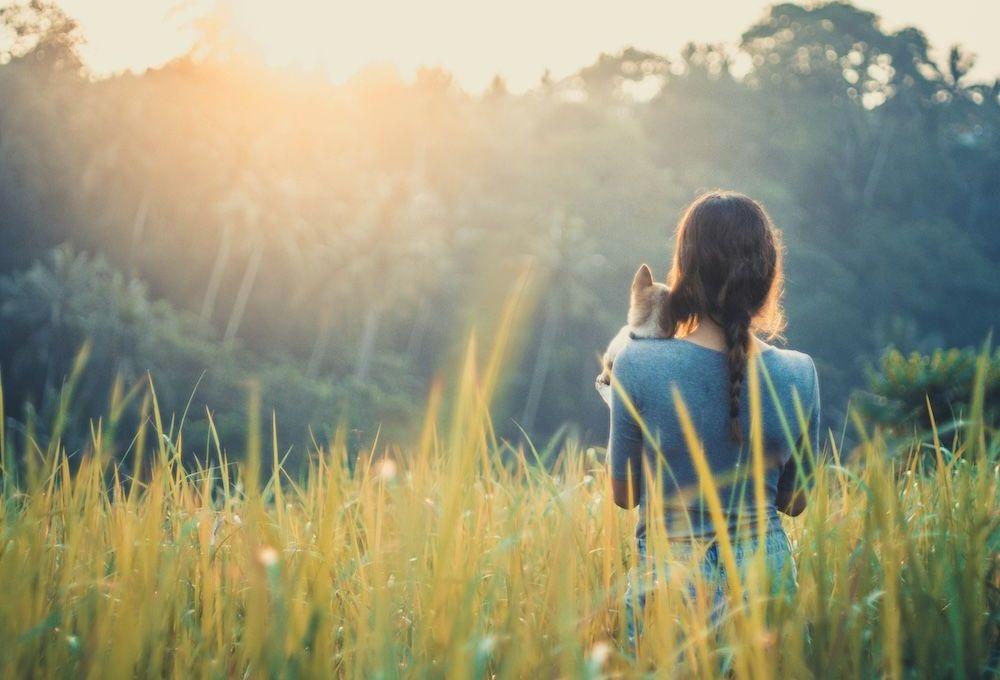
[647,307]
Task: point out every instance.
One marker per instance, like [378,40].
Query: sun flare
[475,41]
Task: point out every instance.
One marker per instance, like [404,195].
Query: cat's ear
[643,278]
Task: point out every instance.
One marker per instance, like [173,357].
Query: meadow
[279,456]
[463,556]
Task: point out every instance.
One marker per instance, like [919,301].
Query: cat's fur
[647,307]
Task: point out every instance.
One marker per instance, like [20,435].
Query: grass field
[457,558]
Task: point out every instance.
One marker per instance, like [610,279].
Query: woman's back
[649,370]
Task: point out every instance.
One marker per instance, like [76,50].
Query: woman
[725,289]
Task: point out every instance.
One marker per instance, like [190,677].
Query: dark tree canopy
[341,240]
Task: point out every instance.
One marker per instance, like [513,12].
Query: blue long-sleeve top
[648,370]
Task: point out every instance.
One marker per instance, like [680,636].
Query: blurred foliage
[904,386]
[454,557]
[352,234]
[70,301]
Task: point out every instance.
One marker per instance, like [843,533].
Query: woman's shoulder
[792,365]
[787,355]
[646,354]
[653,352]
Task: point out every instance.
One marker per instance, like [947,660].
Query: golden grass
[459,558]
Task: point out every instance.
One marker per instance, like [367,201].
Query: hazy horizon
[519,41]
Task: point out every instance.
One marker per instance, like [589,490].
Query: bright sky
[476,39]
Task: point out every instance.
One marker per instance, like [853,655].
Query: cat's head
[648,305]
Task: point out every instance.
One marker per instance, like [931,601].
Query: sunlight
[340,39]
[303,315]
[475,41]
[308,34]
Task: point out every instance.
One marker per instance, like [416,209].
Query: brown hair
[727,268]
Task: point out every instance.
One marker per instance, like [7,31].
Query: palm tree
[240,214]
[566,255]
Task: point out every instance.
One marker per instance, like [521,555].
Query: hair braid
[727,269]
[737,331]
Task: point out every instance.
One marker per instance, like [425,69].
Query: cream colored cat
[647,305]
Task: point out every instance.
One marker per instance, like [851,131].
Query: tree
[351,234]
[905,391]
[42,32]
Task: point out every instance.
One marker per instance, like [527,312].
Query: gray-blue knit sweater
[648,370]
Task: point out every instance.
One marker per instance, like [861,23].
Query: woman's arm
[625,441]
[797,474]
[626,495]
[791,496]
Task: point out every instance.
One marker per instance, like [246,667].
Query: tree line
[216,219]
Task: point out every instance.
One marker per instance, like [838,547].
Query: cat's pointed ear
[643,278]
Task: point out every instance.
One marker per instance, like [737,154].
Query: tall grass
[460,557]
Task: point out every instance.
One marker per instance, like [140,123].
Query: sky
[477,39]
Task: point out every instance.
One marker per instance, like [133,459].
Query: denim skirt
[650,574]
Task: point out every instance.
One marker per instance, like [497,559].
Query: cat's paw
[603,389]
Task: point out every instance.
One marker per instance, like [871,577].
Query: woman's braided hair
[727,268]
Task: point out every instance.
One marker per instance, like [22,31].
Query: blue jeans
[647,576]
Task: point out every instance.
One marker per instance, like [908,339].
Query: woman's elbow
[625,503]
[625,496]
[794,506]
[798,506]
